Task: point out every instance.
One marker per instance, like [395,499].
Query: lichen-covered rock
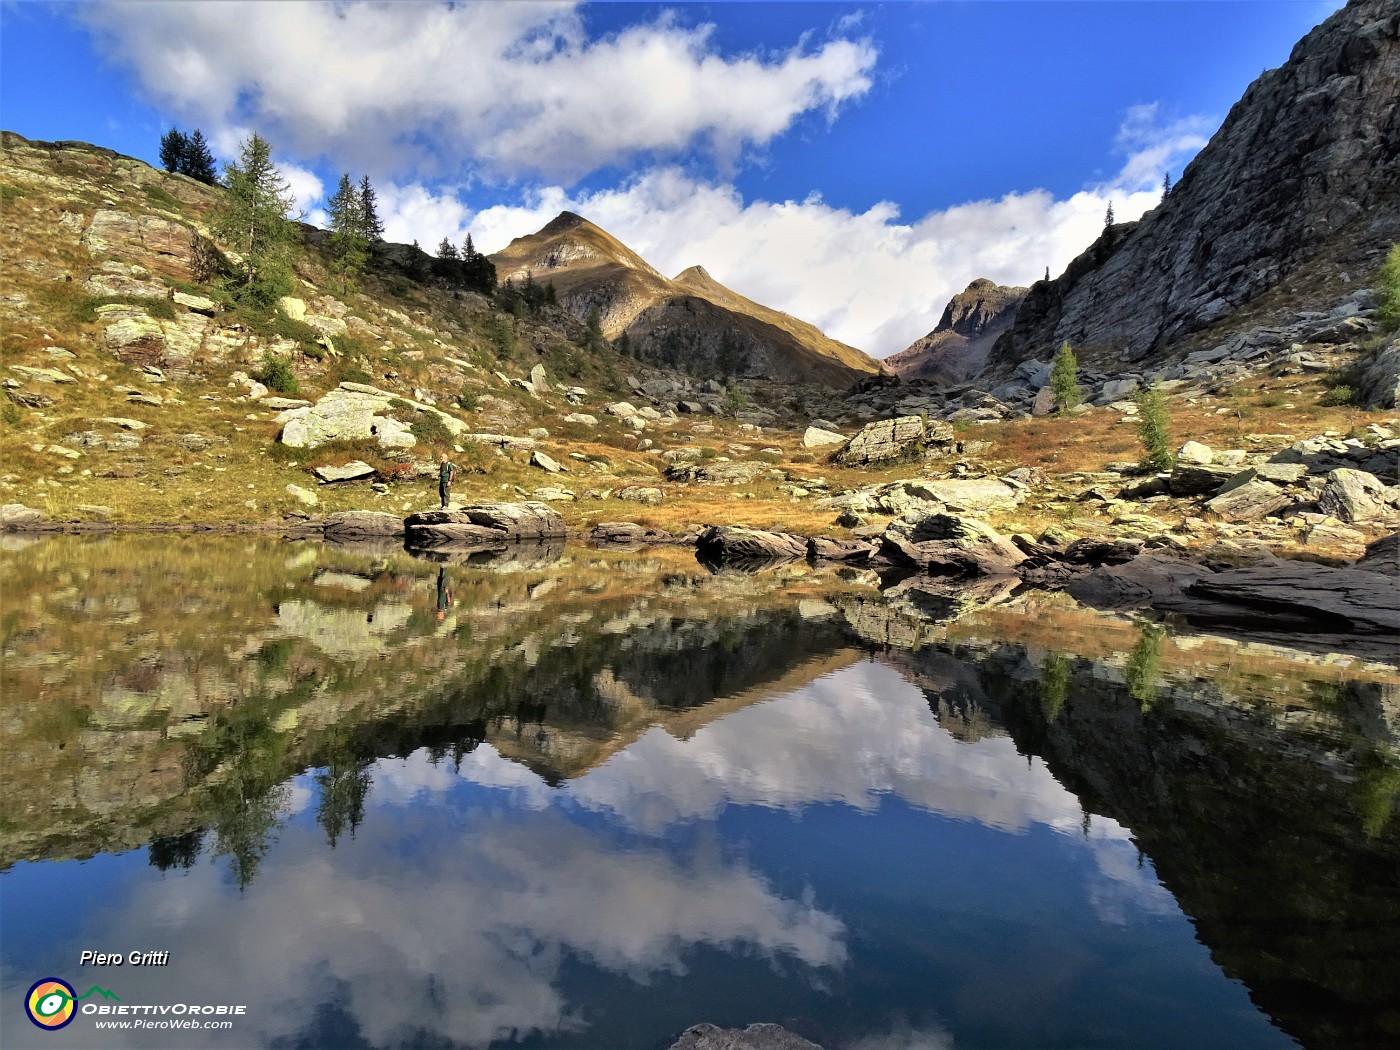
[947,545]
[640,494]
[1355,496]
[158,244]
[904,437]
[356,412]
[1249,502]
[816,437]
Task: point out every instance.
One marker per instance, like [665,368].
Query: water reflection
[583,798]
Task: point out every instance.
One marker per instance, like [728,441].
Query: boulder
[1197,479]
[720,543]
[617,532]
[1044,402]
[821,548]
[581,417]
[968,493]
[538,382]
[355,524]
[1351,599]
[1116,390]
[1379,383]
[816,437]
[621,409]
[539,459]
[947,545]
[18,516]
[353,471]
[1382,556]
[904,437]
[1354,496]
[1195,452]
[305,496]
[711,473]
[640,494]
[1249,502]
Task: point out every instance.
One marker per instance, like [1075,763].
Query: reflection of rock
[754,1037]
[509,557]
[347,633]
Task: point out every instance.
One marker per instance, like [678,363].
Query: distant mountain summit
[957,348]
[1297,194]
[690,322]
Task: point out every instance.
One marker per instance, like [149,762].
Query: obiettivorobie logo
[52,1003]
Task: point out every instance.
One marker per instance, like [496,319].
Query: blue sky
[854,164]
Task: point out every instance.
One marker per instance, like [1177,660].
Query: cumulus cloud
[1154,147]
[519,88]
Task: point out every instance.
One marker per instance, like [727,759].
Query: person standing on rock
[447,474]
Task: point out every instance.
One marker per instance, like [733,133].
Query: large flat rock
[483,523]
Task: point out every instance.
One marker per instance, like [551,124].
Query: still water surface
[587,799]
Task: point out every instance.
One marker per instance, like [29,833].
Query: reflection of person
[444,597]
[447,474]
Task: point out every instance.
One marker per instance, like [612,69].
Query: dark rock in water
[823,549]
[946,545]
[351,524]
[1339,599]
[1382,556]
[726,543]
[617,532]
[754,1037]
[484,523]
[1141,583]
[1101,552]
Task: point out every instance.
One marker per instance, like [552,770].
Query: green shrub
[430,429]
[161,196]
[1338,396]
[1389,289]
[11,415]
[9,192]
[1152,427]
[467,400]
[276,374]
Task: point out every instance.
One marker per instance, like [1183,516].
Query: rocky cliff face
[957,349]
[1299,191]
[692,322]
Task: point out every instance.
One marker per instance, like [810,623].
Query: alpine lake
[565,797]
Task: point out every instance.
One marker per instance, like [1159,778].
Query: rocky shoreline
[1353,608]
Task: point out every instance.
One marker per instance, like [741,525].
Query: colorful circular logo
[50,1004]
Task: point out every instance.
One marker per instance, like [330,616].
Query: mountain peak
[563,222]
[971,323]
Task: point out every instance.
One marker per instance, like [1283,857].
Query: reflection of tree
[1377,788]
[344,784]
[1144,665]
[1054,684]
[246,794]
[177,851]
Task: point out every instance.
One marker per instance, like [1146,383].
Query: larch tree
[253,221]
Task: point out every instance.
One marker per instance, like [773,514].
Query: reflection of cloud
[399,781]
[849,737]
[906,1038]
[461,936]
[1126,883]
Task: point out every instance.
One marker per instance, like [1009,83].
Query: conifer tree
[348,244]
[1152,427]
[447,250]
[1064,379]
[1166,184]
[253,221]
[372,228]
[173,148]
[1108,217]
[199,162]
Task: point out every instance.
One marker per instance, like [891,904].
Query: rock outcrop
[356,412]
[722,543]
[957,348]
[1304,172]
[890,440]
[947,545]
[483,524]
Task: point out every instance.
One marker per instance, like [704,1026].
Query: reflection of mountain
[1274,826]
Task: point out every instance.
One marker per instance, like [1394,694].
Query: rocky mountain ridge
[690,323]
[957,348]
[1298,190]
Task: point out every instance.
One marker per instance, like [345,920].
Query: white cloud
[519,88]
[1154,148]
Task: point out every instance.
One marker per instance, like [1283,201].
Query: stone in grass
[353,471]
[305,496]
[539,459]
